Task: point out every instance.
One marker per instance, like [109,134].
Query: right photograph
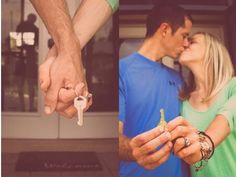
[177,88]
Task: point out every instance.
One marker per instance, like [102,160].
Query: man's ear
[165,29]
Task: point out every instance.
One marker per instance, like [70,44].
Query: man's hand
[44,69]
[147,148]
[66,94]
[65,105]
[65,71]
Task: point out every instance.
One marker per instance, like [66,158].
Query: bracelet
[206,150]
[200,166]
[212,149]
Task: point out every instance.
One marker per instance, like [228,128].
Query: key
[162,122]
[80,103]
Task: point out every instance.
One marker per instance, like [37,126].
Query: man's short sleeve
[121,99]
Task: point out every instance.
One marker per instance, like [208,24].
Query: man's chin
[176,57]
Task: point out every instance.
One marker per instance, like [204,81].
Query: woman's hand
[190,154]
[185,139]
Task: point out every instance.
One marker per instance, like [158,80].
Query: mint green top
[114,4]
[223,162]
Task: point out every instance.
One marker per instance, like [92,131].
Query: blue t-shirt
[145,87]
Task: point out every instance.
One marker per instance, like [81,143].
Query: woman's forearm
[89,17]
[218,130]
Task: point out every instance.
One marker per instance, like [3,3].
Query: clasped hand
[152,148]
[62,78]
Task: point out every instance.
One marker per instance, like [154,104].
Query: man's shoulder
[127,59]
[126,62]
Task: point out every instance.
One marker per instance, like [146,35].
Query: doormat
[58,161]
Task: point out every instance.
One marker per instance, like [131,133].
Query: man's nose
[186,43]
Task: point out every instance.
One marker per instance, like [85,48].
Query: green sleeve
[228,110]
[114,4]
[181,108]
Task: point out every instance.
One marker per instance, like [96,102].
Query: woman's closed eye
[192,41]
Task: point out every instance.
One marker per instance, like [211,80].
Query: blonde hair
[217,66]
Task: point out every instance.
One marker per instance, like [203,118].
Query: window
[100,60]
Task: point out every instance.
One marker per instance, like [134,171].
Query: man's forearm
[55,16]
[89,17]
[218,130]
[125,151]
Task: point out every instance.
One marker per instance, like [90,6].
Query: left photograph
[59,88]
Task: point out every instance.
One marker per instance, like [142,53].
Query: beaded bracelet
[212,144]
[206,150]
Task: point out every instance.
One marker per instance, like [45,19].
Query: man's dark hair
[172,14]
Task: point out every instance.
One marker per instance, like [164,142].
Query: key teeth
[80,124]
[80,104]
[162,128]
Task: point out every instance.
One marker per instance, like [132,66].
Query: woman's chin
[183,62]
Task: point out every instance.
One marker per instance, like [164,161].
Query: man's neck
[152,49]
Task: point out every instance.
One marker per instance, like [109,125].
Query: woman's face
[195,52]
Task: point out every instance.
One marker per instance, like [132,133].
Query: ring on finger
[187,142]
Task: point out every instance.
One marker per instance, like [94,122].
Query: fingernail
[47,110]
[90,95]
[170,145]
[78,88]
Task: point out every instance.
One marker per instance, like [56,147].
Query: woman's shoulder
[233,79]
[232,82]
[231,86]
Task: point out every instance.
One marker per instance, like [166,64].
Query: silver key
[80,103]
[162,122]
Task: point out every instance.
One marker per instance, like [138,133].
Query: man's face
[195,52]
[178,41]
